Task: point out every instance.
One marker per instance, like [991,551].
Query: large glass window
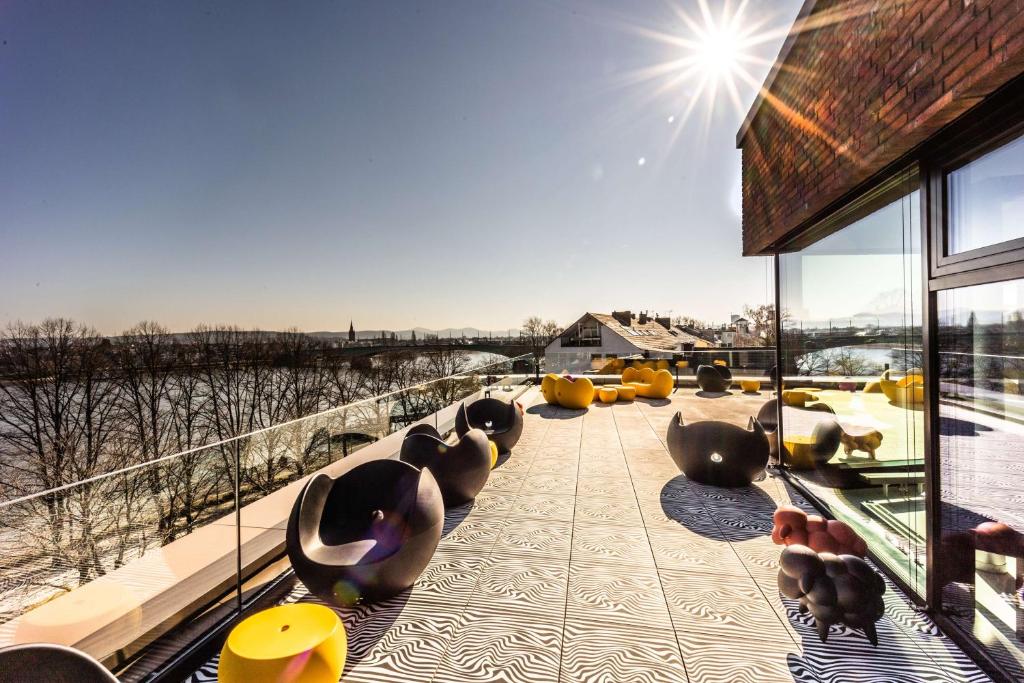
[986,199]
[980,564]
[853,416]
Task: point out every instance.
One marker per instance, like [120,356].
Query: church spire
[351,331]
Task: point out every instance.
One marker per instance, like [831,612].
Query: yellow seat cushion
[494,453]
[750,385]
[300,642]
[608,394]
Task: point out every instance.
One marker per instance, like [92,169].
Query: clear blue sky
[416,163]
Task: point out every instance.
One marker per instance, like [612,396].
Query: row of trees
[75,406]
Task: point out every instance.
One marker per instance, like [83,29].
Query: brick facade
[862,85]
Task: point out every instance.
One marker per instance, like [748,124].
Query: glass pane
[986,199]
[853,424]
[981,557]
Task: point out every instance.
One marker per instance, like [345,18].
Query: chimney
[643,318]
[664,322]
[624,318]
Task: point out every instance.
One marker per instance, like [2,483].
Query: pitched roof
[648,336]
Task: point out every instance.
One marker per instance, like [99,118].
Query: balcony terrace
[588,557]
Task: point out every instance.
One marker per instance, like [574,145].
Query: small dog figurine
[862,442]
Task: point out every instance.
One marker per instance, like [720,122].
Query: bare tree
[539,333]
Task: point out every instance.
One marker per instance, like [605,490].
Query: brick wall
[863,84]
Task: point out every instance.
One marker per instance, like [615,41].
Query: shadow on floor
[741,514]
[453,517]
[951,426]
[713,394]
[549,412]
[656,402]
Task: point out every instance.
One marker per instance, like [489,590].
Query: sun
[718,51]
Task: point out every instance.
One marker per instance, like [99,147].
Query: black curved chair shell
[718,453]
[461,469]
[52,663]
[714,378]
[506,421]
[768,416]
[367,534]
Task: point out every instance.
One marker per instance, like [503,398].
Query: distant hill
[421,333]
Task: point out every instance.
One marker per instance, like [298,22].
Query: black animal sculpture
[833,588]
[506,421]
[718,453]
[51,663]
[461,469]
[367,534]
[714,378]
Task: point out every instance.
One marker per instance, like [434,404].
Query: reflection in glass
[981,441]
[853,427]
[986,199]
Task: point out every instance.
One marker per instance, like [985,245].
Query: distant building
[594,337]
[351,331]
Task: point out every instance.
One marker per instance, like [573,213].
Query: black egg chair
[835,589]
[51,663]
[714,378]
[461,469]
[367,534]
[506,421]
[718,453]
[768,416]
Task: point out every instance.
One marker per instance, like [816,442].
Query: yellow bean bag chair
[661,365]
[608,394]
[873,388]
[575,393]
[792,397]
[547,388]
[649,383]
[682,364]
[904,392]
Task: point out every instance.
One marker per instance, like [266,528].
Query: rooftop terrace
[588,557]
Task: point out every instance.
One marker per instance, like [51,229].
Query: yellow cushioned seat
[608,394]
[625,392]
[649,383]
[494,454]
[547,388]
[300,643]
[575,393]
[793,397]
[750,385]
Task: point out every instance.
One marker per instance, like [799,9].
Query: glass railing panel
[95,564]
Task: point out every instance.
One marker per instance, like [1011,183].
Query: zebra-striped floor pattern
[588,558]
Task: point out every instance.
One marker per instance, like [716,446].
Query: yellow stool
[750,385]
[608,394]
[494,454]
[297,643]
[800,452]
[627,392]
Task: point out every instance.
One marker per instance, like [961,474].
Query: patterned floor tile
[606,592]
[564,467]
[681,549]
[545,506]
[513,578]
[607,511]
[549,483]
[619,545]
[507,482]
[535,538]
[507,645]
[605,487]
[596,651]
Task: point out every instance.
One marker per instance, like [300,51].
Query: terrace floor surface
[589,557]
